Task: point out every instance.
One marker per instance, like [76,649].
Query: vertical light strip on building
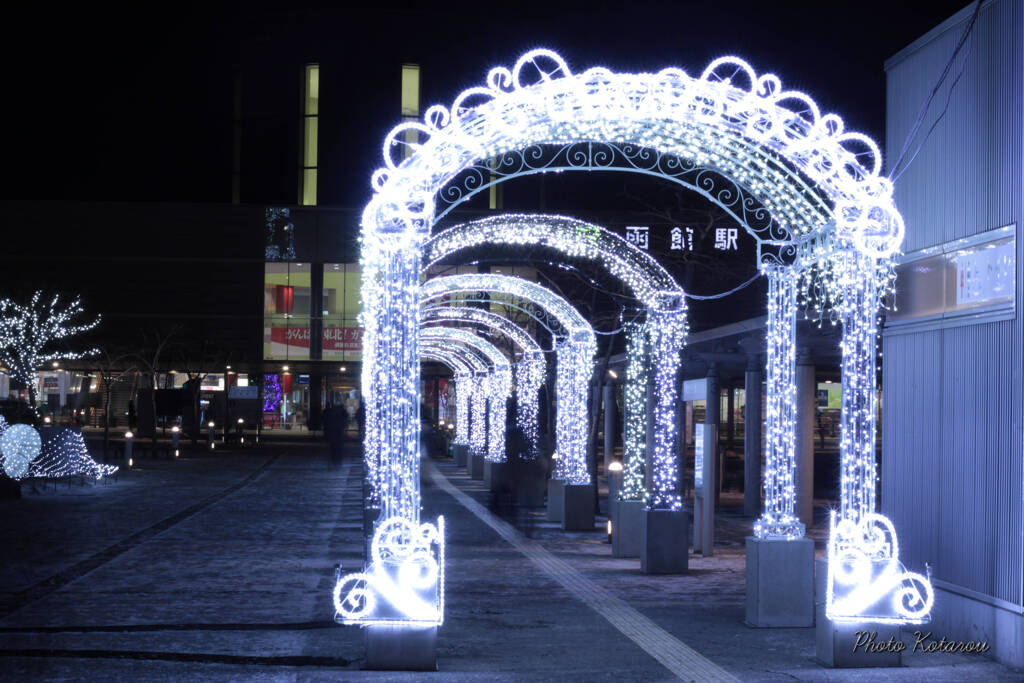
[410,102]
[310,130]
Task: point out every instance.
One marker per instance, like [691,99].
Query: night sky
[129,104]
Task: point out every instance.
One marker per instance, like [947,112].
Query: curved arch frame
[756,134]
[572,372]
[470,421]
[462,372]
[528,373]
[497,388]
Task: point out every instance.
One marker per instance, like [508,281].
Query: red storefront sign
[335,338]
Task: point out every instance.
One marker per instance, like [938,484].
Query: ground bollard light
[212,434]
[241,431]
[128,439]
[175,433]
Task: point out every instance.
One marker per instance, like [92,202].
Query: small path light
[128,439]
[212,434]
[175,433]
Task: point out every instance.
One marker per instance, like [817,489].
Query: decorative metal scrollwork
[866,580]
[404,584]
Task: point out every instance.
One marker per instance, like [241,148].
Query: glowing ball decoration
[20,445]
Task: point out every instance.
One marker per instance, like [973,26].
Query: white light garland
[20,445]
[497,388]
[819,183]
[571,238]
[866,580]
[575,360]
[65,454]
[635,436]
[529,372]
[26,332]
[404,583]
[778,519]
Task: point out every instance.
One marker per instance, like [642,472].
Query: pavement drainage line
[140,628]
[76,571]
[679,658]
[194,657]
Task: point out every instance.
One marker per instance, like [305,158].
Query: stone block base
[780,582]
[460,452]
[401,648]
[626,527]
[556,499]
[665,542]
[495,475]
[578,507]
[842,645]
[476,466]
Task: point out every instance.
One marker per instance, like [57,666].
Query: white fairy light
[27,331]
[65,454]
[575,359]
[833,217]
[529,372]
[404,583]
[19,445]
[464,366]
[778,519]
[635,409]
[866,580]
[497,387]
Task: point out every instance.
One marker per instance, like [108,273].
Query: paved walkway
[220,568]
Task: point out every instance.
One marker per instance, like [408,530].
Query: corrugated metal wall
[953,438]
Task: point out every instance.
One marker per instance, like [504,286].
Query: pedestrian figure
[335,419]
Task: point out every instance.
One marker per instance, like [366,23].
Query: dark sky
[123,103]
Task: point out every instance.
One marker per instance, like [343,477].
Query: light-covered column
[666,333]
[463,389]
[634,440]
[529,376]
[778,519]
[610,420]
[478,416]
[391,359]
[752,438]
[859,348]
[498,387]
[572,384]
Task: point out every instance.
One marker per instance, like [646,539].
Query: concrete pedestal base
[495,475]
[780,583]
[665,542]
[614,486]
[460,452]
[476,466]
[401,648]
[626,528]
[578,507]
[843,645]
[556,499]
[531,493]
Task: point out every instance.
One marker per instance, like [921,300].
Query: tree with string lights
[28,333]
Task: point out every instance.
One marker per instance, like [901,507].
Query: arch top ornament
[810,173]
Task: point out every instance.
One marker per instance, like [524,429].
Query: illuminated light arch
[529,372]
[639,271]
[462,375]
[470,372]
[575,359]
[810,192]
[498,384]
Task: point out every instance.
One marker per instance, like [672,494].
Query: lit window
[310,131]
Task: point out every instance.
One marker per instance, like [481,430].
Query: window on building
[310,130]
[286,311]
[972,279]
[343,337]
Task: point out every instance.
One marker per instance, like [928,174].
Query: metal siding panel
[953,410]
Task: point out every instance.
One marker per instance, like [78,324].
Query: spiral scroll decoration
[866,580]
[404,583]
